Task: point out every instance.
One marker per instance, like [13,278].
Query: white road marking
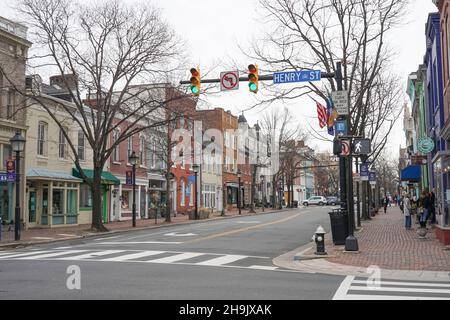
[262,267]
[418,284]
[341,292]
[388,289]
[141,242]
[174,234]
[23,254]
[177,257]
[61,248]
[50,255]
[134,256]
[91,255]
[221,260]
[383,297]
[248,221]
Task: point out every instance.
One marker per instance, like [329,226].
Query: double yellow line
[226,233]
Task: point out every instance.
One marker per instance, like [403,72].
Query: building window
[85,196]
[126,200]
[142,151]
[153,154]
[191,198]
[116,149]
[62,145]
[183,192]
[42,138]
[11,103]
[129,146]
[81,146]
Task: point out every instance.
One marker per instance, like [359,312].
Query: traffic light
[253,78]
[195,82]
[337,147]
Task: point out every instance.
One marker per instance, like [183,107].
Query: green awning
[107,177]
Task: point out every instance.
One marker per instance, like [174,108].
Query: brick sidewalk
[385,242]
[43,235]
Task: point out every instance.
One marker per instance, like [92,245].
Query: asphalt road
[212,260]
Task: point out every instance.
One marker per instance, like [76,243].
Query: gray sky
[213,30]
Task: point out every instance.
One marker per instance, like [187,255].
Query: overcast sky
[214,30]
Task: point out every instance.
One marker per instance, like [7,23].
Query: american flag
[322,115]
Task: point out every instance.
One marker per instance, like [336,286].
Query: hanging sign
[425,145]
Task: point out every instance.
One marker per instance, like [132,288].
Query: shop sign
[425,145]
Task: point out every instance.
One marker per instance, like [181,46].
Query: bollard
[319,237]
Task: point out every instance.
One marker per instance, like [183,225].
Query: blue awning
[411,173]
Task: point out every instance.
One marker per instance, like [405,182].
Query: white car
[321,201]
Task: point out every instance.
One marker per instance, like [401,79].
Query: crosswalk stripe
[385,297]
[418,284]
[22,254]
[133,256]
[50,255]
[91,255]
[177,257]
[362,288]
[221,260]
[262,267]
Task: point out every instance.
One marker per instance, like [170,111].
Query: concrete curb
[113,232]
[294,260]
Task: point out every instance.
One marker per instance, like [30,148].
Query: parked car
[332,201]
[315,200]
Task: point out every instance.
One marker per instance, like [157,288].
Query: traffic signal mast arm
[267,77]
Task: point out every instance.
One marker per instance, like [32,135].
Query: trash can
[339,225]
[295,204]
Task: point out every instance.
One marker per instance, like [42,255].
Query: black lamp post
[18,145]
[262,192]
[195,168]
[239,191]
[132,159]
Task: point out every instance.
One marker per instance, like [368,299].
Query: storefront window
[125,200]
[58,206]
[71,207]
[44,206]
[85,196]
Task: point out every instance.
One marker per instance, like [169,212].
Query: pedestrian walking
[385,204]
[426,204]
[407,211]
[432,207]
[414,204]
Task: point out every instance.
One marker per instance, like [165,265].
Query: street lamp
[263,194]
[132,159]
[18,145]
[239,191]
[195,167]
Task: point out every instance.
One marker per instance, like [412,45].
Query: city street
[224,259]
[228,259]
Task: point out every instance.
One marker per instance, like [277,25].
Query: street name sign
[340,102]
[7,177]
[297,76]
[229,80]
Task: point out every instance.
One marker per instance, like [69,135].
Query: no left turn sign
[229,80]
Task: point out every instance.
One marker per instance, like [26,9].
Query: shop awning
[411,173]
[107,177]
[44,174]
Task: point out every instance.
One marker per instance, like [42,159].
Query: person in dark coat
[432,207]
[426,205]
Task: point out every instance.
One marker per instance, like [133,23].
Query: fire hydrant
[319,238]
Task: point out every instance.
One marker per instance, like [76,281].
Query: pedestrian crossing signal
[195,82]
[253,78]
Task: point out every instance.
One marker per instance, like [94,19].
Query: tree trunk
[274,191]
[168,197]
[96,189]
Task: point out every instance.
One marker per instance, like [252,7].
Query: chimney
[66,81]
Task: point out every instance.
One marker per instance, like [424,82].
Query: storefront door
[32,207]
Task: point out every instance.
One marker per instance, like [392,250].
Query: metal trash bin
[339,226]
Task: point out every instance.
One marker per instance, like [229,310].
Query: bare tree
[313,34]
[108,47]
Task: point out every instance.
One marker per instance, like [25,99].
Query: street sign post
[296,76]
[229,80]
[340,102]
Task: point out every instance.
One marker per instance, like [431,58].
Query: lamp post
[195,168]
[239,191]
[18,145]
[132,159]
[263,193]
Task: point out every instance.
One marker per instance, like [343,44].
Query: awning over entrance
[411,173]
[107,177]
[44,174]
